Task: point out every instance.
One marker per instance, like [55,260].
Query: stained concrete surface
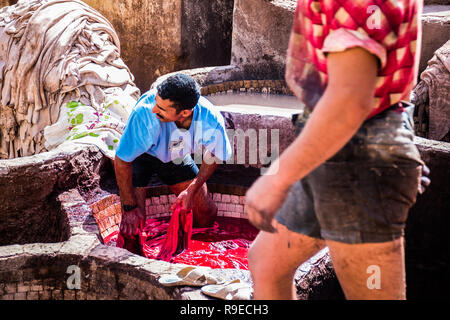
[161,36]
[260,37]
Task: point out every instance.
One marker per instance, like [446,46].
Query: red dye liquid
[225,245]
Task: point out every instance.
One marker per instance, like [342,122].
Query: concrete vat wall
[29,185]
[436,31]
[261,30]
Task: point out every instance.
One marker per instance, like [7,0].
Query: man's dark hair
[181,89]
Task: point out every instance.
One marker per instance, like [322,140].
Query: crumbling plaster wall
[161,36]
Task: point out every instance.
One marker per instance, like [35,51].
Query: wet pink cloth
[224,245]
[126,242]
[178,235]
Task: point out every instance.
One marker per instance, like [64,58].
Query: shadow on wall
[206,28]
[427,247]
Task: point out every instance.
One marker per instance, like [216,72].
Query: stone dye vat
[71,194]
[40,268]
[223,245]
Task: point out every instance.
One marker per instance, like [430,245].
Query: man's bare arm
[131,220]
[340,112]
[124,174]
[207,168]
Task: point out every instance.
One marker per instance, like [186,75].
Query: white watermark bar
[248,147]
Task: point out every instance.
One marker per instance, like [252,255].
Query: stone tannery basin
[58,206]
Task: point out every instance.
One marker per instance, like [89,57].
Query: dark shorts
[170,173]
[364,192]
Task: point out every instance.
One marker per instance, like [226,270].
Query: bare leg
[274,258]
[358,265]
[204,210]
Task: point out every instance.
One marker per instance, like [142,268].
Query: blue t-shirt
[144,133]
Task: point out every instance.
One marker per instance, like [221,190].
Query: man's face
[165,111]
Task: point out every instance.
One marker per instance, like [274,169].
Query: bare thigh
[370,270]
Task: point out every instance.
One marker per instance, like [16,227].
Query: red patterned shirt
[388,29]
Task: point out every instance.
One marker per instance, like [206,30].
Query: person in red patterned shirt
[351,175]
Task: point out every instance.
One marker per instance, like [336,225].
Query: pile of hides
[432,95]
[61,78]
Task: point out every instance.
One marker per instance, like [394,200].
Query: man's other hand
[185,199]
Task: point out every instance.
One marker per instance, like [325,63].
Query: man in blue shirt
[165,127]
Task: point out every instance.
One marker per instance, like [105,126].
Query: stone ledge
[28,186]
[11,250]
[432,144]
[79,245]
[127,276]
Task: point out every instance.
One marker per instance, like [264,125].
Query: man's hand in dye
[131,221]
[263,200]
[186,199]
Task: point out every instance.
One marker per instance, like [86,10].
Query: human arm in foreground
[345,104]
